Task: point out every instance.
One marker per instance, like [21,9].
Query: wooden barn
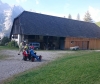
[52,31]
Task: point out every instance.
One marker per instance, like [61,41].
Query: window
[15,36]
[72,42]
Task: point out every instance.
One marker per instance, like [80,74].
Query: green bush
[5,41]
[12,44]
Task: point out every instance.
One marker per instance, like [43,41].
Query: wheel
[24,58]
[32,59]
[29,57]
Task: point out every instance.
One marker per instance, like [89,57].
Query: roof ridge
[58,17]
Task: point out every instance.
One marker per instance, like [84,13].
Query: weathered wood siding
[83,43]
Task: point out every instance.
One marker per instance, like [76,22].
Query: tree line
[87,17]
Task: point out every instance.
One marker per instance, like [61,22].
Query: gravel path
[14,63]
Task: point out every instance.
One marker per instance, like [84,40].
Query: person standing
[21,47]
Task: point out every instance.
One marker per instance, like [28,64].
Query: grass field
[7,48]
[82,67]
[98,23]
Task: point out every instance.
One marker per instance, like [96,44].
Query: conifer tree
[87,17]
[78,17]
[69,16]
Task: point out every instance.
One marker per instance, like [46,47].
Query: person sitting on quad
[27,48]
[25,54]
[32,53]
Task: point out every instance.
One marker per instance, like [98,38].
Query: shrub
[5,40]
[12,44]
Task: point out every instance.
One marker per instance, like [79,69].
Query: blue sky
[61,7]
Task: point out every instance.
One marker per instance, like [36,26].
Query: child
[31,51]
[27,48]
[25,54]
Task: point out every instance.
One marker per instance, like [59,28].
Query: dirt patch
[14,64]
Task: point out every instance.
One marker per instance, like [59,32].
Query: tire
[32,59]
[29,57]
[25,58]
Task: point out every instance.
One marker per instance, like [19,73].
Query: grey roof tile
[40,24]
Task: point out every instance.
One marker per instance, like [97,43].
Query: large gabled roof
[39,24]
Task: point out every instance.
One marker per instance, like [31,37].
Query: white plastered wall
[19,39]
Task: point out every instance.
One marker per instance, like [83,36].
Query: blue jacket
[31,52]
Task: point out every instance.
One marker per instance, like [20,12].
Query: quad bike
[29,57]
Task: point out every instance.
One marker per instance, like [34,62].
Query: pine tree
[78,16]
[69,16]
[87,17]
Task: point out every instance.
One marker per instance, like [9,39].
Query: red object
[25,53]
[32,47]
[33,59]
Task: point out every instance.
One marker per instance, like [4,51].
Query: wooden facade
[83,43]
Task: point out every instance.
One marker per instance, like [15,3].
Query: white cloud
[37,2]
[95,13]
[20,1]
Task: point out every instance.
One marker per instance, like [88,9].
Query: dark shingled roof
[40,24]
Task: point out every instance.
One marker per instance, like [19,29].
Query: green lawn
[98,23]
[7,48]
[82,67]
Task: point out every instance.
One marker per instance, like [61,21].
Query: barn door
[62,43]
[85,45]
